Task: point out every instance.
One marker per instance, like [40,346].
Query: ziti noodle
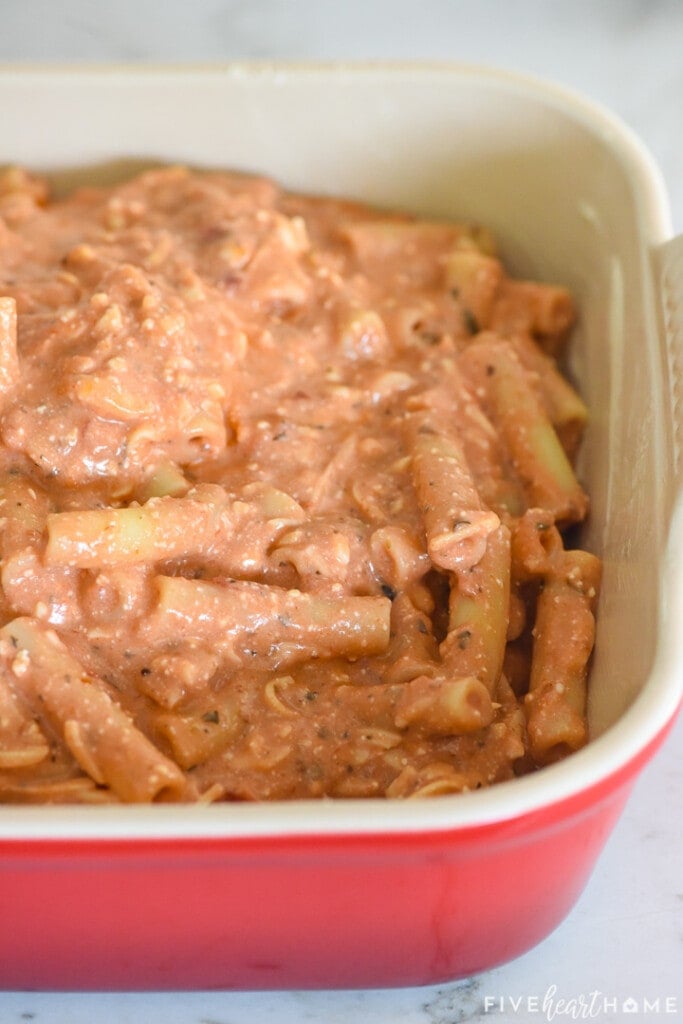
[284,486]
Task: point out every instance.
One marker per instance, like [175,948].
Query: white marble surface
[625,937]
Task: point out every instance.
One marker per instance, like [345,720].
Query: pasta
[284,491]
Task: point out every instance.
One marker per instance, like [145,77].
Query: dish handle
[670,266]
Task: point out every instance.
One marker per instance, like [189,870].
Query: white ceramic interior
[573,198]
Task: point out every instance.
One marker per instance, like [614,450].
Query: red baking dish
[377,893]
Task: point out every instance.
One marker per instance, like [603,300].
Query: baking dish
[393,892]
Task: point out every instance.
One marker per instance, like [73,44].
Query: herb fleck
[464,639]
[470,320]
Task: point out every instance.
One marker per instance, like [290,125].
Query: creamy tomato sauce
[275,471]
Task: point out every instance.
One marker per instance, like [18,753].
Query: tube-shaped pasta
[287,624]
[545,311]
[536,545]
[564,634]
[565,408]
[456,524]
[327,553]
[534,448]
[201,523]
[394,243]
[444,707]
[167,480]
[162,528]
[100,735]
[478,614]
[473,279]
[413,650]
[398,556]
[427,705]
[454,408]
[195,738]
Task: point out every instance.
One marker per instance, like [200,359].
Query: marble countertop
[624,939]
